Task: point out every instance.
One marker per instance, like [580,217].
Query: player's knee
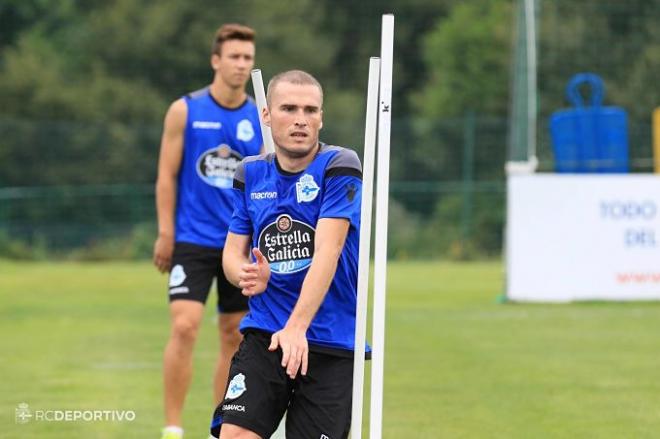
[184,329]
[230,335]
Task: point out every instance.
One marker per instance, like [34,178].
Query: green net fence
[450,206]
[617,40]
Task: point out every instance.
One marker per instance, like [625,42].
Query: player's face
[234,62]
[295,118]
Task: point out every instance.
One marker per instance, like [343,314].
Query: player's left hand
[295,350]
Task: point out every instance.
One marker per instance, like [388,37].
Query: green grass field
[458,364]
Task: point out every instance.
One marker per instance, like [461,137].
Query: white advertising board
[583,237]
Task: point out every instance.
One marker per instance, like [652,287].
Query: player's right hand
[163,249]
[253,278]
[295,350]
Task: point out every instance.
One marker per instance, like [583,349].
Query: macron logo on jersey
[206,125]
[263,195]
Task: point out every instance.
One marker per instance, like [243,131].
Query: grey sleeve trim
[253,158]
[197,93]
[239,176]
[345,158]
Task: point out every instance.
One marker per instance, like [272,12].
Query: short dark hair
[231,31]
[297,77]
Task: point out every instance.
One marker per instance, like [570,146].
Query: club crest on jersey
[306,189]
[218,165]
[244,130]
[236,387]
[287,244]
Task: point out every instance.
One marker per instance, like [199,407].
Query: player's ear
[265,116]
[215,61]
[321,125]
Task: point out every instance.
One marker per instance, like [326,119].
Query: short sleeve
[240,223]
[342,193]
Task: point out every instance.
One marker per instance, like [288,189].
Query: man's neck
[227,96]
[295,164]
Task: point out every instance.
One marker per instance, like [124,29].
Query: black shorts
[317,405]
[192,273]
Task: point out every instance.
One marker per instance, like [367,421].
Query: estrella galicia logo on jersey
[218,165]
[306,189]
[236,387]
[288,244]
[244,130]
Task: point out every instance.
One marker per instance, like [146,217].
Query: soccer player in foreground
[292,248]
[205,135]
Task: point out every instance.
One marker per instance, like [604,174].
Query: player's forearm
[315,286]
[235,254]
[231,264]
[165,204]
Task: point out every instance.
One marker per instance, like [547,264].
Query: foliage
[135,245]
[12,248]
[467,56]
[116,65]
[85,84]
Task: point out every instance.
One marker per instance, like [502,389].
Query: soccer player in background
[206,134]
[297,213]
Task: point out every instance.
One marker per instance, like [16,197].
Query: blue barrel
[589,138]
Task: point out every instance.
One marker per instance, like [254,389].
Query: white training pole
[365,247]
[260,96]
[269,146]
[530,29]
[380,258]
